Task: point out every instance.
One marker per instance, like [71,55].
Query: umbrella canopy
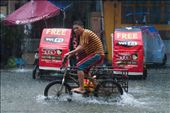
[31,12]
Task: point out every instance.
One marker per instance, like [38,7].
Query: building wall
[109,25]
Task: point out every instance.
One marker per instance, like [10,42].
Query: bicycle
[97,86]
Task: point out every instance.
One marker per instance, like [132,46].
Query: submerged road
[21,94]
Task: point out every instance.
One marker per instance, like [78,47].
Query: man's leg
[85,64]
[80,89]
[81,79]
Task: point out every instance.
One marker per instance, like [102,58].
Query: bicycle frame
[68,75]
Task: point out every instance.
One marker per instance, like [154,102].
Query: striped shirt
[91,42]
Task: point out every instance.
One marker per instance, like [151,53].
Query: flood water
[21,94]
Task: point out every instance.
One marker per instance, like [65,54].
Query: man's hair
[78,22]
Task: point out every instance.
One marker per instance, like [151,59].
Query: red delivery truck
[128,51]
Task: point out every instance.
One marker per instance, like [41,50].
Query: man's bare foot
[78,90]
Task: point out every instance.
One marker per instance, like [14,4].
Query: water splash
[125,99]
[93,100]
[128,99]
[41,99]
[75,98]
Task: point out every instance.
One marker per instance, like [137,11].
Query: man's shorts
[90,61]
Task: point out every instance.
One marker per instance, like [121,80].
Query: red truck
[128,51]
[54,43]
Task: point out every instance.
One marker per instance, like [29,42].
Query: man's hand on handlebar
[66,57]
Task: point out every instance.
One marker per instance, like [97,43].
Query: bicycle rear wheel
[56,89]
[108,89]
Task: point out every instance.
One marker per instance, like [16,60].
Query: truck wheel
[164,60]
[144,73]
[35,72]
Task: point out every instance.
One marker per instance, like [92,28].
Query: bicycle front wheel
[56,89]
[108,89]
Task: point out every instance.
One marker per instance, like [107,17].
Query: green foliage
[11,63]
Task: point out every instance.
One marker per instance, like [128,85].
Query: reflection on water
[19,70]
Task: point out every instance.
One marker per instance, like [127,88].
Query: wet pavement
[21,94]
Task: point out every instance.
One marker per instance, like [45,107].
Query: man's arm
[78,49]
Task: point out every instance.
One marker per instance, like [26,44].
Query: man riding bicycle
[92,45]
